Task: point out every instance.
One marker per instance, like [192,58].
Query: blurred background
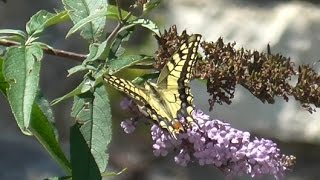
[292,28]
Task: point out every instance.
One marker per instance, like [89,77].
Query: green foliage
[79,10]
[20,73]
[21,70]
[83,165]
[44,19]
[3,83]
[92,110]
[116,65]
[111,12]
[106,28]
[43,129]
[12,34]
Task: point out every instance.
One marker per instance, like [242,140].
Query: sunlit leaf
[122,62]
[42,19]
[147,23]
[19,33]
[111,12]
[93,111]
[113,173]
[79,10]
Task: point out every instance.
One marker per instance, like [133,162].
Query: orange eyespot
[177,126]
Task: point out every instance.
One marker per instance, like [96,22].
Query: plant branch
[56,52]
[119,10]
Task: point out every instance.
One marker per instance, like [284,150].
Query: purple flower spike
[216,143]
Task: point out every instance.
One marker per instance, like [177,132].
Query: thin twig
[56,52]
[119,11]
[117,28]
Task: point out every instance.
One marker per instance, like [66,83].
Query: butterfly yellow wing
[175,77]
[170,98]
[146,101]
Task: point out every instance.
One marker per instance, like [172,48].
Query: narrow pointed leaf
[113,173]
[21,70]
[111,12]
[57,18]
[79,10]
[82,161]
[122,62]
[14,32]
[141,79]
[43,19]
[146,23]
[73,93]
[43,129]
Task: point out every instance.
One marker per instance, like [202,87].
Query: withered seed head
[265,75]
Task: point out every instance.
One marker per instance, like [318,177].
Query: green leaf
[146,23]
[3,83]
[41,126]
[14,32]
[96,51]
[57,18]
[141,79]
[121,37]
[122,62]
[82,161]
[150,5]
[73,93]
[125,32]
[79,10]
[88,84]
[111,12]
[21,70]
[113,173]
[93,111]
[44,19]
[77,68]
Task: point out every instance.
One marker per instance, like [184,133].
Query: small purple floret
[128,126]
[125,103]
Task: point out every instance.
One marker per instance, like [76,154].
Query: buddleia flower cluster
[211,142]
